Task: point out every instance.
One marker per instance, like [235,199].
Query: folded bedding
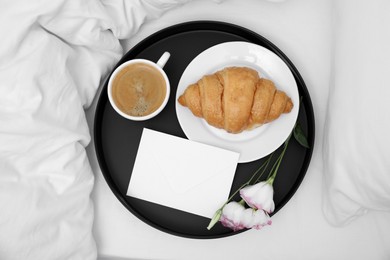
[53,56]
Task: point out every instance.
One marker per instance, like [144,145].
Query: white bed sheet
[303,31]
[52,57]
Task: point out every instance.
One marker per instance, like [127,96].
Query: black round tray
[117,139]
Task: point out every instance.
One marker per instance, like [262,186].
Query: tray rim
[195,25]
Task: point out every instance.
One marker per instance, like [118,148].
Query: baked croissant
[235,99]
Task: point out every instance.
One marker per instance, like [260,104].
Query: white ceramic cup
[159,66]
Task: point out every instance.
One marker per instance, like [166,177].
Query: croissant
[235,99]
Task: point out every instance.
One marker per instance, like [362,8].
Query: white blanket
[53,56]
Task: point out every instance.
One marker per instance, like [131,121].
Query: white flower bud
[259,196]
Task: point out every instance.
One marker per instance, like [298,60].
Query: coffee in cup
[139,89]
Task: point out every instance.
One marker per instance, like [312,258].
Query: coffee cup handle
[163,59]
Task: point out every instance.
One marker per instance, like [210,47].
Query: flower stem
[275,167]
[263,166]
[266,166]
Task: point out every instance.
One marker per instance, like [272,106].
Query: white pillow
[357,129]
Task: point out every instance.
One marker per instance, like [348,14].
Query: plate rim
[248,144]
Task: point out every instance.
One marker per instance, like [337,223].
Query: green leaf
[215,219]
[300,136]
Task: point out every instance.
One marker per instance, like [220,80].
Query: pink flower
[231,216]
[237,217]
[256,219]
[259,196]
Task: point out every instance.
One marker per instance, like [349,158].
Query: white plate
[253,144]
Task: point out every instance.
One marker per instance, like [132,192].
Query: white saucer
[253,144]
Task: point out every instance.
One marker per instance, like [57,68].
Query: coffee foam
[139,89]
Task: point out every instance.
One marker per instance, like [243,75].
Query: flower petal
[259,196]
[231,215]
[261,219]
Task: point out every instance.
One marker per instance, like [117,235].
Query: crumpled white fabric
[53,56]
[356,144]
